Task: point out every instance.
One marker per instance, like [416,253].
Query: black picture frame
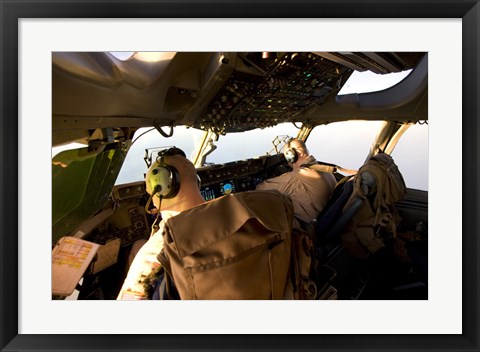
[12,11]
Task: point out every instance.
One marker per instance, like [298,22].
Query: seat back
[380,185]
[333,219]
[329,216]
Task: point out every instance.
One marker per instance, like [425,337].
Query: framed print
[33,30]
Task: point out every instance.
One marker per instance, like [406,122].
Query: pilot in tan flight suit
[185,197]
[242,221]
[309,189]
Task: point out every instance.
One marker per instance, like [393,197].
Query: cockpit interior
[100,102]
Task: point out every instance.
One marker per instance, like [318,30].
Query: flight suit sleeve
[142,266]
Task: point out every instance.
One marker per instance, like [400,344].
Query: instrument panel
[238,176]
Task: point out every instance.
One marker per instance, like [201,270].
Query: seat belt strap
[332,169]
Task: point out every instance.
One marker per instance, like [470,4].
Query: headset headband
[169,152]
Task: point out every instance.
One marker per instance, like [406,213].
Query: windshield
[344,143]
[231,147]
[250,144]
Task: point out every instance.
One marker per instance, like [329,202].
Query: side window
[411,156]
[134,166]
[345,144]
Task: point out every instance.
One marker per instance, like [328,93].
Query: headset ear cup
[166,179]
[174,182]
[291,155]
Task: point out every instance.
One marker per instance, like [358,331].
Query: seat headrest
[368,182]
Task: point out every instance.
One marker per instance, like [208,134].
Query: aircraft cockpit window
[249,144]
[343,143]
[134,167]
[367,81]
[413,162]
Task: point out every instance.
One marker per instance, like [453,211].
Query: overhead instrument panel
[264,91]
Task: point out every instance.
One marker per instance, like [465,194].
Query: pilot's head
[172,181]
[296,152]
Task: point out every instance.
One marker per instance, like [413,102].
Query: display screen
[227,187]
[208,193]
[235,177]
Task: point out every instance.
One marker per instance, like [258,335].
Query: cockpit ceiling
[224,92]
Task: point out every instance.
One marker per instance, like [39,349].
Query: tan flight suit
[221,232]
[309,190]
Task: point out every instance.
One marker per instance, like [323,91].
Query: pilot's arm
[144,263]
[277,183]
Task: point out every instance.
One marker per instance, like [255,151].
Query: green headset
[163,179]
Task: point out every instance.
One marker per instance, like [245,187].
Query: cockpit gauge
[227,187]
